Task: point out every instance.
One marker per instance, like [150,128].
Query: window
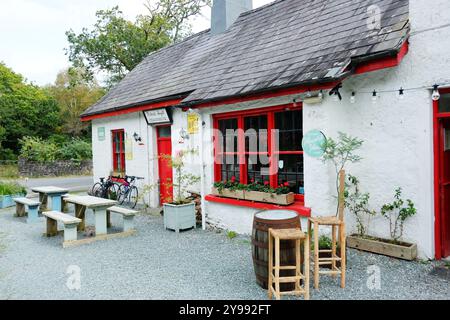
[118,138]
[260,145]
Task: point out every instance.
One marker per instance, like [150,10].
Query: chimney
[225,12]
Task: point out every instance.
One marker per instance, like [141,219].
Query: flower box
[405,251]
[227,193]
[7,201]
[280,199]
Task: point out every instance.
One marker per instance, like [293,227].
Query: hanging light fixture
[320,95]
[436,95]
[353,98]
[401,93]
[374,97]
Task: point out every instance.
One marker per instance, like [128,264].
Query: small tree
[397,213]
[358,204]
[341,152]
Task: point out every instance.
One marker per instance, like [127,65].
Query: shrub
[36,149]
[11,188]
[76,150]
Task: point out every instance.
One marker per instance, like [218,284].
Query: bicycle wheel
[95,188]
[133,197]
[122,194]
[113,192]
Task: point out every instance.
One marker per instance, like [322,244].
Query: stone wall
[54,169]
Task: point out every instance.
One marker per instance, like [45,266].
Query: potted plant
[265,193]
[9,191]
[396,213]
[179,213]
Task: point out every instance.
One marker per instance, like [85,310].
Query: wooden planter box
[404,251]
[179,217]
[282,199]
[237,194]
[7,200]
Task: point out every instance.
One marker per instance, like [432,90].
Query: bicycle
[106,189]
[128,192]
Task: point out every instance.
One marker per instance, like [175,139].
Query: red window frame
[121,134]
[241,153]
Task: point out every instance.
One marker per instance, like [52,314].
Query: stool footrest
[290,279]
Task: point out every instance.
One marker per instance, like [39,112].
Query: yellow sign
[193,123]
[128,149]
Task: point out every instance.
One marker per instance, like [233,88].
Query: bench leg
[80,212]
[100,222]
[64,206]
[43,201]
[33,215]
[70,232]
[55,202]
[128,224]
[52,227]
[108,219]
[20,210]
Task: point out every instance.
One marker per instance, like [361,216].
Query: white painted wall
[397,152]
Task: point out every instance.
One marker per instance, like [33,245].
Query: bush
[11,188]
[44,151]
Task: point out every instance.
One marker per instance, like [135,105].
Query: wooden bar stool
[275,237]
[337,225]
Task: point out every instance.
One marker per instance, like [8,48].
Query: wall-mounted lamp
[184,135]
[137,137]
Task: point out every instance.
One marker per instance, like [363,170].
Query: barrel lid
[276,214]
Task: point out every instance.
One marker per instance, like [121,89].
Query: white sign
[158,116]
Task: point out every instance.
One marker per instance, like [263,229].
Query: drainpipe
[202,172]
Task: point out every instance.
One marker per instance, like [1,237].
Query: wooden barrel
[263,221]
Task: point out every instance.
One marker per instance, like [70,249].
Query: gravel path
[158,264]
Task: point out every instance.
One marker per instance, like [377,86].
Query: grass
[231,235]
[9,171]
[11,188]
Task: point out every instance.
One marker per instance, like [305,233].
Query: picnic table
[54,193]
[97,205]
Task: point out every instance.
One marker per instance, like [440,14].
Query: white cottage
[273,68]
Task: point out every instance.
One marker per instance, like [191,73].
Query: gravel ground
[158,264]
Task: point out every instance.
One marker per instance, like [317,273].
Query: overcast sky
[32,32]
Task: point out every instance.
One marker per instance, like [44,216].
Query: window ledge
[297,206]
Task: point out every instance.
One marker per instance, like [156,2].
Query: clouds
[32,32]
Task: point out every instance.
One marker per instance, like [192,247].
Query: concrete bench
[127,214]
[70,225]
[33,208]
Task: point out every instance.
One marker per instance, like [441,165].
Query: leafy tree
[74,95]
[115,45]
[25,110]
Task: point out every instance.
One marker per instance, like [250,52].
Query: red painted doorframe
[437,175]
[164,145]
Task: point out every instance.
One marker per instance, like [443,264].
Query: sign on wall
[192,119]
[313,143]
[158,116]
[101,133]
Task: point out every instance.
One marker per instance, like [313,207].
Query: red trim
[437,174]
[297,206]
[383,63]
[268,95]
[151,106]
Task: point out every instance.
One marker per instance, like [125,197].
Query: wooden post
[277,268]
[270,264]
[306,268]
[297,264]
[343,255]
[80,214]
[316,255]
[52,227]
[333,249]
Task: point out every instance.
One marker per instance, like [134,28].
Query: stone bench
[127,214]
[33,208]
[70,225]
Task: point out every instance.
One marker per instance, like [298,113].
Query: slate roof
[285,43]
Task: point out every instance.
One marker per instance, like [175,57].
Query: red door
[444,185]
[164,164]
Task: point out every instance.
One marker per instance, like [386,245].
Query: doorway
[164,144]
[442,175]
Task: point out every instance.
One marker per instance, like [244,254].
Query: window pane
[256,171]
[290,126]
[164,132]
[228,129]
[230,168]
[291,170]
[255,138]
[444,103]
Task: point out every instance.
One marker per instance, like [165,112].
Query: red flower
[252,181]
[286,184]
[266,183]
[233,179]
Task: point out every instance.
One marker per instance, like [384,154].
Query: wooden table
[54,193]
[97,205]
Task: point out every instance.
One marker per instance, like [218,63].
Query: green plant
[341,152]
[11,188]
[358,204]
[233,185]
[231,235]
[397,213]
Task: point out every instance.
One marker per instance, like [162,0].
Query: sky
[32,32]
